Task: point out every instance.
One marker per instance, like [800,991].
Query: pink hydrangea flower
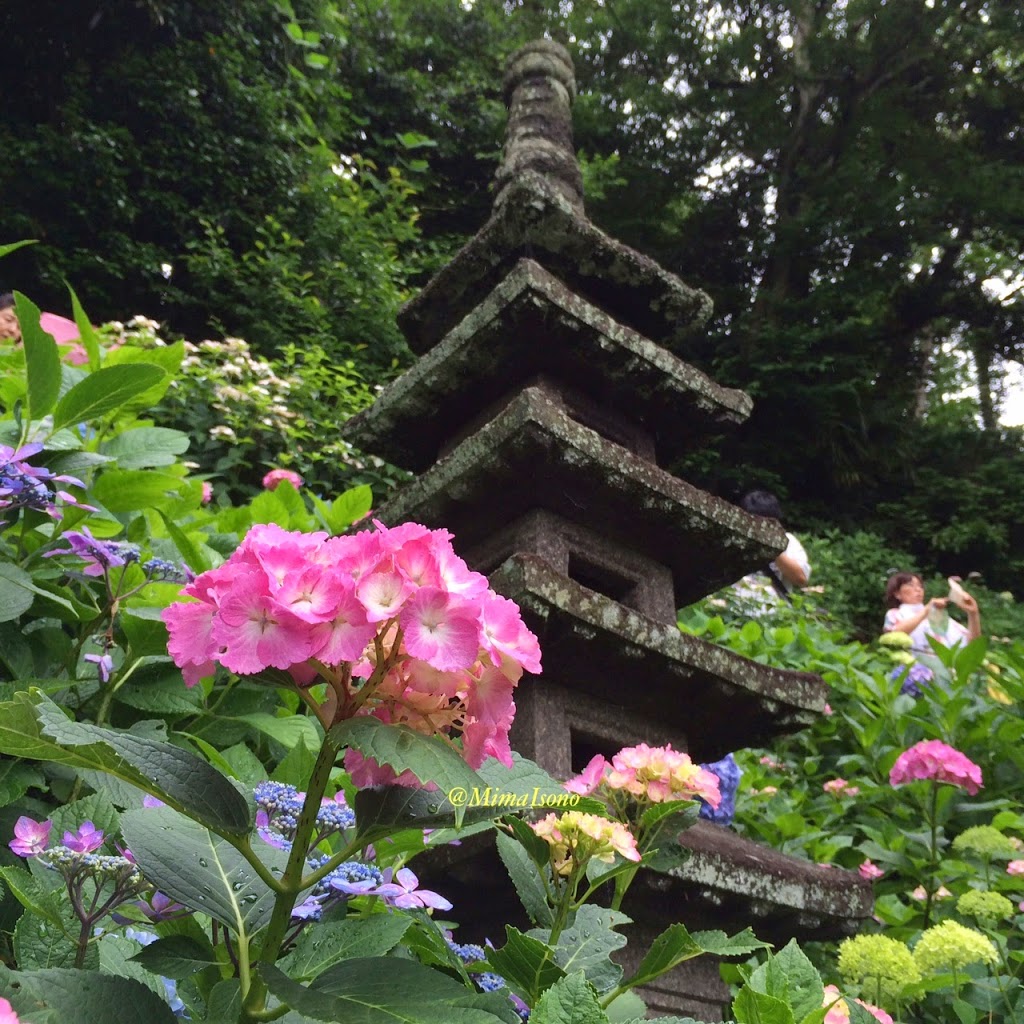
[332,608]
[870,871]
[1015,867]
[839,1012]
[921,893]
[659,774]
[30,837]
[278,476]
[7,1014]
[207,492]
[575,835]
[835,786]
[932,759]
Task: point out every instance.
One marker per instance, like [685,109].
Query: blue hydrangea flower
[919,675]
[728,772]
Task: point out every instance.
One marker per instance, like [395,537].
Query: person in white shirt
[787,572]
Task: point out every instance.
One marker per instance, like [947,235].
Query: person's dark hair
[897,580]
[6,300]
[761,503]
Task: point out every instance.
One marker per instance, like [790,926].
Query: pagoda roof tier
[534,219]
[532,324]
[532,455]
[612,656]
[729,883]
[778,895]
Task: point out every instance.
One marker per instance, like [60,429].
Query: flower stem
[254,997]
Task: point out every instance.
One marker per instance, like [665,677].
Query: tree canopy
[845,178]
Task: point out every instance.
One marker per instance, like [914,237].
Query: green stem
[254,1001]
[242,845]
[933,814]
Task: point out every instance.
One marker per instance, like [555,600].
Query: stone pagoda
[549,394]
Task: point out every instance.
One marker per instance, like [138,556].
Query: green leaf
[717,943]
[16,779]
[588,943]
[403,749]
[202,870]
[116,954]
[42,359]
[145,447]
[130,490]
[286,731]
[245,765]
[670,948]
[194,558]
[527,965]
[788,975]
[523,870]
[32,726]
[42,903]
[295,768]
[17,592]
[569,1001]
[225,1002]
[9,247]
[751,1007]
[75,995]
[388,990]
[39,943]
[329,943]
[86,334]
[104,391]
[177,957]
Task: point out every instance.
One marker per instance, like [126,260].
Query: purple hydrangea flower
[26,486]
[99,555]
[31,837]
[87,839]
[104,664]
[404,892]
[918,676]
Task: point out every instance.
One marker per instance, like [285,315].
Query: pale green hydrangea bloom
[986,906]
[879,965]
[950,946]
[985,841]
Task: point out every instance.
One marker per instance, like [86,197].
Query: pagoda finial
[539,90]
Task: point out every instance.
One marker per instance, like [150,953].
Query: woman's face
[9,328]
[911,592]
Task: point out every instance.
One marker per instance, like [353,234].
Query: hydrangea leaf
[751,1007]
[41,902]
[129,490]
[116,954]
[382,990]
[176,957]
[334,941]
[286,731]
[86,334]
[201,870]
[17,592]
[42,359]
[569,1001]
[33,727]
[39,943]
[670,948]
[527,965]
[70,995]
[588,943]
[523,873]
[146,447]
[789,975]
[104,391]
[402,749]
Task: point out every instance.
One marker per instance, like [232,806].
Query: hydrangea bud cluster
[840,788]
[933,759]
[647,775]
[950,946]
[879,964]
[278,807]
[988,907]
[111,880]
[392,619]
[575,838]
[23,485]
[984,841]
